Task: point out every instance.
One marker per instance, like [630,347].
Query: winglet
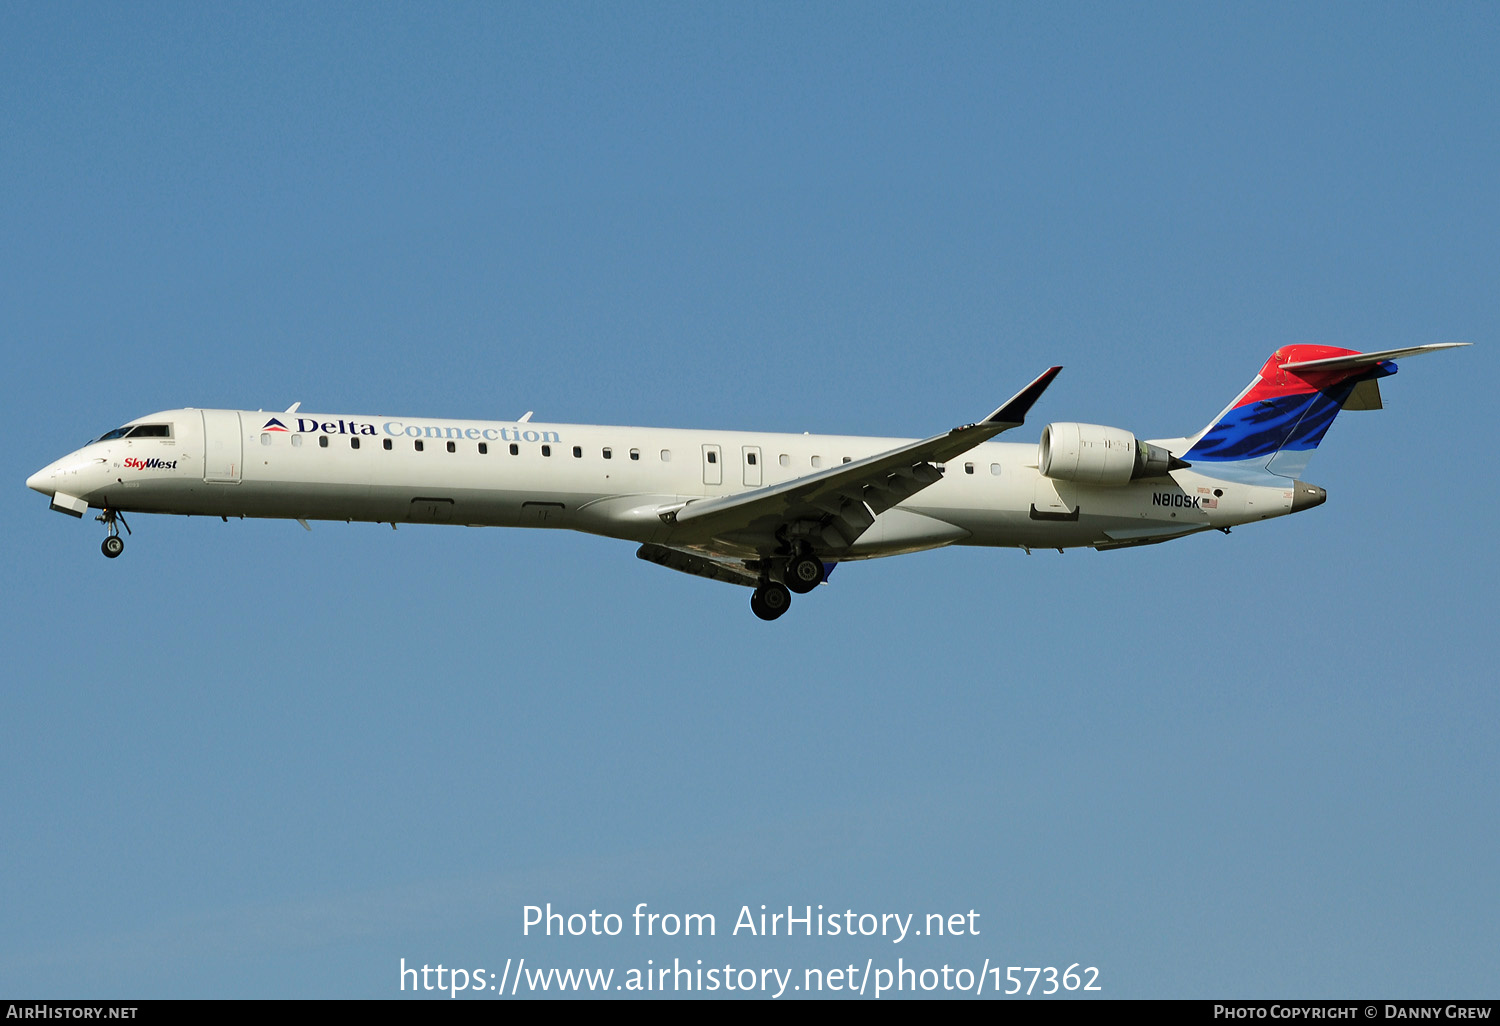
[1014,412]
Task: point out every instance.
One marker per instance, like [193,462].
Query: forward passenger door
[223,447]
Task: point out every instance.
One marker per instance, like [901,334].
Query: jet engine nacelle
[1098,455]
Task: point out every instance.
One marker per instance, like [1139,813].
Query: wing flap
[698,566]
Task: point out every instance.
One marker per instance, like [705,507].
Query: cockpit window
[137,431]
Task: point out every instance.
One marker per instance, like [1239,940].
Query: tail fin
[1276,422]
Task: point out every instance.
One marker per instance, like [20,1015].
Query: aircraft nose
[41,481]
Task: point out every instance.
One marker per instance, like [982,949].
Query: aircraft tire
[770,600]
[804,573]
[112,546]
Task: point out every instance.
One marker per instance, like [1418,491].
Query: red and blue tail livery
[1275,423]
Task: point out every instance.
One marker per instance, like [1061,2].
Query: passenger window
[968,468]
[418,444]
[515,450]
[354,443]
[578,452]
[546,450]
[666,455]
[635,454]
[322,441]
[453,447]
[607,454]
[750,458]
[817,461]
[296,441]
[484,448]
[387,444]
[265,439]
[713,457]
[995,469]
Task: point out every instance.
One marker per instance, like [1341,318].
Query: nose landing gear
[114,544]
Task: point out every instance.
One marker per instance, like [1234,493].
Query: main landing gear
[800,575]
[804,573]
[770,600]
[114,544]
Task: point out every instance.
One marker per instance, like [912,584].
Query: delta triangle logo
[274,425]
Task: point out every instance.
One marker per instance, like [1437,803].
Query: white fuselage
[614,481]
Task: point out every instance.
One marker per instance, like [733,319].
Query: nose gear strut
[114,544]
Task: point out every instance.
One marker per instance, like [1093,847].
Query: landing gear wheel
[804,573]
[113,521]
[770,600]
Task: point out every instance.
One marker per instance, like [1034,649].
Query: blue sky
[247,760]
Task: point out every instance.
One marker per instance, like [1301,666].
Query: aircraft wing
[833,507]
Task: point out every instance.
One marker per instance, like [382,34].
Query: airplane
[773,512]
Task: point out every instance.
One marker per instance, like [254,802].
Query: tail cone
[1306,496]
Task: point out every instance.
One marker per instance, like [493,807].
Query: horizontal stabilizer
[1354,360]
